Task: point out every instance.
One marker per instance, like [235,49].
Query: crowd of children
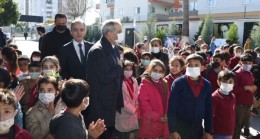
[182,94]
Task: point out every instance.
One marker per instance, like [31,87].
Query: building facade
[243,13]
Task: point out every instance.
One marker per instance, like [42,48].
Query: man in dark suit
[73,54]
[104,70]
[54,40]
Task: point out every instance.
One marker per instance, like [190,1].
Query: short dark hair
[41,29]
[23,58]
[7,97]
[225,75]
[131,56]
[46,80]
[246,57]
[60,16]
[226,56]
[34,64]
[194,57]
[74,91]
[218,55]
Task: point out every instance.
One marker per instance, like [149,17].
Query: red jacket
[212,78]
[223,113]
[170,78]
[233,62]
[20,133]
[152,109]
[243,78]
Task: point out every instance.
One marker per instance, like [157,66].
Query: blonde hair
[52,59]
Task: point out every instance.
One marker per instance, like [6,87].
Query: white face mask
[258,54]
[156,76]
[48,72]
[193,72]
[36,59]
[85,105]
[46,98]
[189,51]
[128,74]
[34,75]
[238,54]
[155,50]
[226,88]
[6,125]
[204,50]
[246,67]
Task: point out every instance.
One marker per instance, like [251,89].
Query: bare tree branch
[77,8]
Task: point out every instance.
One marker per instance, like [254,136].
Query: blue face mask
[145,62]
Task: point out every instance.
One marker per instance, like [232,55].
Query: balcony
[180,13]
[162,2]
[162,17]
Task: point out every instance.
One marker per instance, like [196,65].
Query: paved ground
[28,46]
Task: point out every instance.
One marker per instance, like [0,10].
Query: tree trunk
[185,24]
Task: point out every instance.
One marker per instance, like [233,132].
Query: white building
[45,8]
[241,12]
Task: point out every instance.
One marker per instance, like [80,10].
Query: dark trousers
[243,116]
[126,135]
[108,134]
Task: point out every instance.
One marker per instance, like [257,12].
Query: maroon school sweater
[243,78]
[223,113]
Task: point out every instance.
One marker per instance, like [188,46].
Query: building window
[193,5]
[121,12]
[248,1]
[212,3]
[137,10]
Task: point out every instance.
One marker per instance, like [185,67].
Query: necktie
[82,57]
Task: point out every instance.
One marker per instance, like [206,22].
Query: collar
[76,43]
[201,83]
[113,46]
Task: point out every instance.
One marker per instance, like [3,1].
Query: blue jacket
[185,111]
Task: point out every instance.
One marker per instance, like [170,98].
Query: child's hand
[164,119]
[251,88]
[95,130]
[19,92]
[175,135]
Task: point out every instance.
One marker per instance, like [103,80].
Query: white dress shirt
[76,47]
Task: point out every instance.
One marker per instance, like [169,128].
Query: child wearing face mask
[39,116]
[153,99]
[127,119]
[23,62]
[36,56]
[156,51]
[145,61]
[190,102]
[8,110]
[69,124]
[244,90]
[34,73]
[50,67]
[238,51]
[176,65]
[223,101]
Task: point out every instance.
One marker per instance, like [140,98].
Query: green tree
[233,34]
[196,36]
[255,35]
[8,13]
[161,33]
[93,33]
[207,29]
[149,27]
[174,29]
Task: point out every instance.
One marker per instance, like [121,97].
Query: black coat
[103,76]
[53,41]
[2,39]
[70,63]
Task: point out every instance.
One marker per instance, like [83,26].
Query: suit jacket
[103,77]
[70,63]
